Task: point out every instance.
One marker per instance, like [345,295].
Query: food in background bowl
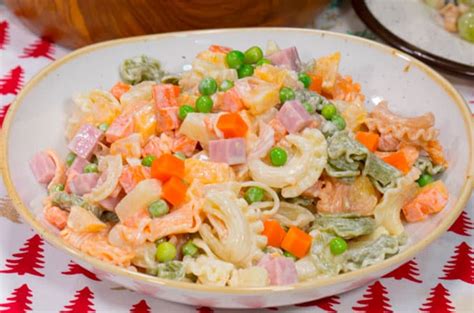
[39,116]
[456,16]
[249,170]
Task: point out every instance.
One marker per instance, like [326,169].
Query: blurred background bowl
[76,23]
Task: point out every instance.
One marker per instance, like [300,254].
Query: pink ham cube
[77,166]
[294,116]
[85,141]
[81,184]
[287,58]
[230,151]
[43,167]
[281,270]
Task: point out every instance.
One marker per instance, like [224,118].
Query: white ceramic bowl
[37,119]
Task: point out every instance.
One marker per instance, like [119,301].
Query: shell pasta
[250,169]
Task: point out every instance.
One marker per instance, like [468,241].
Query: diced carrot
[166,166]
[398,160]
[274,233]
[184,144]
[174,191]
[368,139]
[219,49]
[411,154]
[232,125]
[231,101]
[347,90]
[316,83]
[131,176]
[167,119]
[431,199]
[165,95]
[297,242]
[119,89]
[121,127]
[55,216]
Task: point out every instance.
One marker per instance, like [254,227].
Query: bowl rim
[403,256]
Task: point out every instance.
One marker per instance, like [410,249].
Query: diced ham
[81,184]
[165,95]
[167,119]
[121,127]
[388,143]
[287,58]
[77,166]
[281,270]
[111,201]
[231,101]
[85,141]
[230,151]
[43,167]
[294,116]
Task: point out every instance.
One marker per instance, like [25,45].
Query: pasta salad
[456,16]
[251,169]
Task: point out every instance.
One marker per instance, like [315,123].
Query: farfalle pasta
[249,170]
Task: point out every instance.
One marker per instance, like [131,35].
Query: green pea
[329,111]
[165,252]
[309,107]
[254,194]
[286,94]
[339,122]
[226,85]
[289,255]
[180,155]
[103,127]
[263,61]
[235,59]
[208,86]
[184,110]
[148,160]
[253,55]
[158,208]
[57,188]
[91,168]
[424,180]
[204,104]
[70,158]
[337,246]
[305,79]
[278,156]
[189,248]
[245,71]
